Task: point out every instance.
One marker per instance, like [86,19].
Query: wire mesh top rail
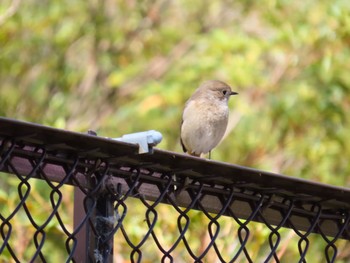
[216,178]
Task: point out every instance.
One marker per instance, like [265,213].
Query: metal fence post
[80,254]
[101,226]
[95,244]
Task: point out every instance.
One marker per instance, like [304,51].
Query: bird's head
[217,89]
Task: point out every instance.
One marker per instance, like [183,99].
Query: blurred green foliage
[125,66]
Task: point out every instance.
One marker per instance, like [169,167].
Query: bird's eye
[224,92]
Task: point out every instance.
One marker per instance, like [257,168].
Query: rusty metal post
[101,241]
[93,243]
[81,252]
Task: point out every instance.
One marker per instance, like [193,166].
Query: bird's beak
[233,93]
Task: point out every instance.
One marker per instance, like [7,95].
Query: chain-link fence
[162,206]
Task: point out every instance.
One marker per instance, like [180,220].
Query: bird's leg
[209,155]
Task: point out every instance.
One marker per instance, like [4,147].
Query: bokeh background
[119,67]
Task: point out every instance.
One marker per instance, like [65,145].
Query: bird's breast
[204,124]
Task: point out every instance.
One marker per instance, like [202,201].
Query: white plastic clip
[146,140]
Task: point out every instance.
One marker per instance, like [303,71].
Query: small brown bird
[205,117]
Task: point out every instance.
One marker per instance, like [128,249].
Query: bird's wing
[183,146]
